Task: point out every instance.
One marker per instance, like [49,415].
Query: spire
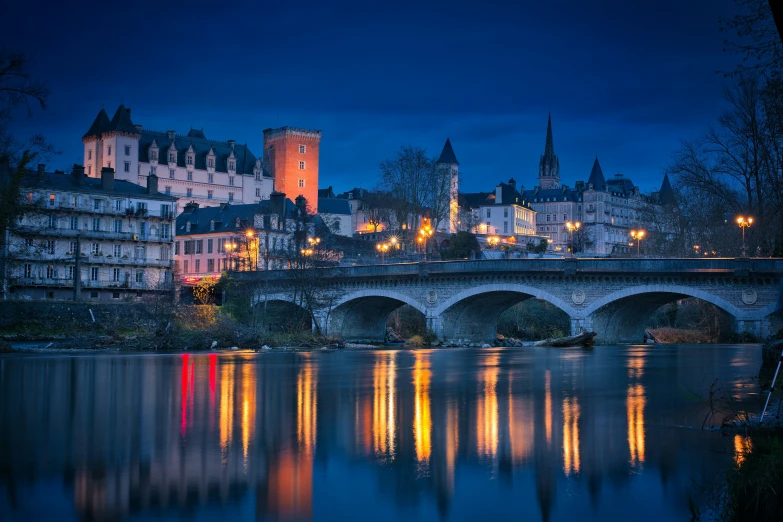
[549,147]
[447,154]
[549,165]
[122,121]
[597,177]
[100,124]
[666,194]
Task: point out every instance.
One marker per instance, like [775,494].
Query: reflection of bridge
[464,299]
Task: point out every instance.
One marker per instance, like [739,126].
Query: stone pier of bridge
[464,299]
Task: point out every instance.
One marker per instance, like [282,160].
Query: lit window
[302,149]
[301,183]
[301,165]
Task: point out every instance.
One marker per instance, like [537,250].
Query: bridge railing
[614,266]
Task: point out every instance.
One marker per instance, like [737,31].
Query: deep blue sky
[625,80]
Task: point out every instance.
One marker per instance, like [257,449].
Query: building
[336,215]
[113,236]
[291,158]
[607,210]
[503,212]
[190,167]
[449,169]
[254,236]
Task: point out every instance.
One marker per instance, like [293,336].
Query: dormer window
[212,225]
[190,160]
[172,157]
[236,223]
[190,157]
[232,165]
[187,227]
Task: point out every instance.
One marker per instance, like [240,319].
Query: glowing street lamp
[744,223]
[230,247]
[425,232]
[572,227]
[382,248]
[638,235]
[493,241]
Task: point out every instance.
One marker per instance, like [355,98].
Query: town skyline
[493,102]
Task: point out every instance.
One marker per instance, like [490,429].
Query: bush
[753,484]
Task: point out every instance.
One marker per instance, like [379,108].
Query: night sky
[624,80]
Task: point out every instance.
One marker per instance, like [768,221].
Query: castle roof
[195,133]
[597,177]
[666,194]
[447,155]
[245,159]
[334,206]
[101,122]
[620,185]
[121,122]
[225,217]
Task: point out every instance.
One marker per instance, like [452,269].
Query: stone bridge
[464,299]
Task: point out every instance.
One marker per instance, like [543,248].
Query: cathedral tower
[291,158]
[549,165]
[448,162]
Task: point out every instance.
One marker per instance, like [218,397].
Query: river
[460,434]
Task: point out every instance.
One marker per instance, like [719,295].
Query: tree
[204,291]
[377,206]
[407,177]
[757,35]
[461,245]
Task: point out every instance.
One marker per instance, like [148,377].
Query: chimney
[512,183]
[301,204]
[139,128]
[190,207]
[152,184]
[580,186]
[231,144]
[277,203]
[107,178]
[77,174]
[499,195]
[171,135]
[41,170]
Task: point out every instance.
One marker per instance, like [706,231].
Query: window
[94,273]
[153,155]
[108,164]
[210,194]
[190,159]
[95,249]
[108,150]
[165,253]
[28,243]
[185,266]
[210,265]
[489,213]
[96,224]
[89,169]
[301,183]
[210,178]
[258,176]
[127,166]
[51,200]
[50,246]
[115,295]
[209,246]
[172,157]
[302,149]
[96,204]
[69,272]
[117,251]
[176,248]
[127,150]
[199,246]
[72,247]
[211,163]
[168,191]
[139,276]
[118,205]
[89,154]
[258,192]
[115,274]
[505,212]
[49,271]
[301,165]
[52,222]
[231,196]
[231,181]
[190,175]
[165,231]
[188,247]
[505,227]
[118,226]
[189,192]
[28,270]
[198,265]
[231,165]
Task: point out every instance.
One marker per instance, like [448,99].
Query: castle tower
[114,144]
[291,158]
[448,161]
[549,165]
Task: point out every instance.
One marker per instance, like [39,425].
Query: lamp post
[382,248]
[638,235]
[252,250]
[744,223]
[425,233]
[572,227]
[230,247]
[493,241]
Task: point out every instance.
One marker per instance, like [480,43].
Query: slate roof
[101,122]
[246,160]
[509,196]
[447,154]
[472,199]
[558,194]
[195,133]
[225,217]
[121,122]
[61,181]
[666,194]
[597,177]
[326,193]
[620,185]
[334,206]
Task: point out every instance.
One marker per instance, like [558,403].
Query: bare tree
[408,179]
[756,35]
[378,207]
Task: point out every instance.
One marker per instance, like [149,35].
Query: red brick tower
[291,158]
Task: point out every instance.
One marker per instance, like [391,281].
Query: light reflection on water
[450,434]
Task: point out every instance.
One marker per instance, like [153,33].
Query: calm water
[522,434]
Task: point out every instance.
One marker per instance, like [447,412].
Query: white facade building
[190,167]
[113,235]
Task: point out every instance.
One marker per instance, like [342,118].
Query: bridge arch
[622,315]
[363,314]
[279,313]
[473,313]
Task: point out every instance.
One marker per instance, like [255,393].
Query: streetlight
[744,223]
[638,235]
[382,248]
[425,233]
[493,241]
[230,247]
[572,227]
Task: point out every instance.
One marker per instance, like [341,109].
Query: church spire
[549,165]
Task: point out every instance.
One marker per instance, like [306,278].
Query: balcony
[111,211]
[92,234]
[51,282]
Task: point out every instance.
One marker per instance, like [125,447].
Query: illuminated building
[291,158]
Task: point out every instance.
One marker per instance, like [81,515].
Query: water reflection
[356,436]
